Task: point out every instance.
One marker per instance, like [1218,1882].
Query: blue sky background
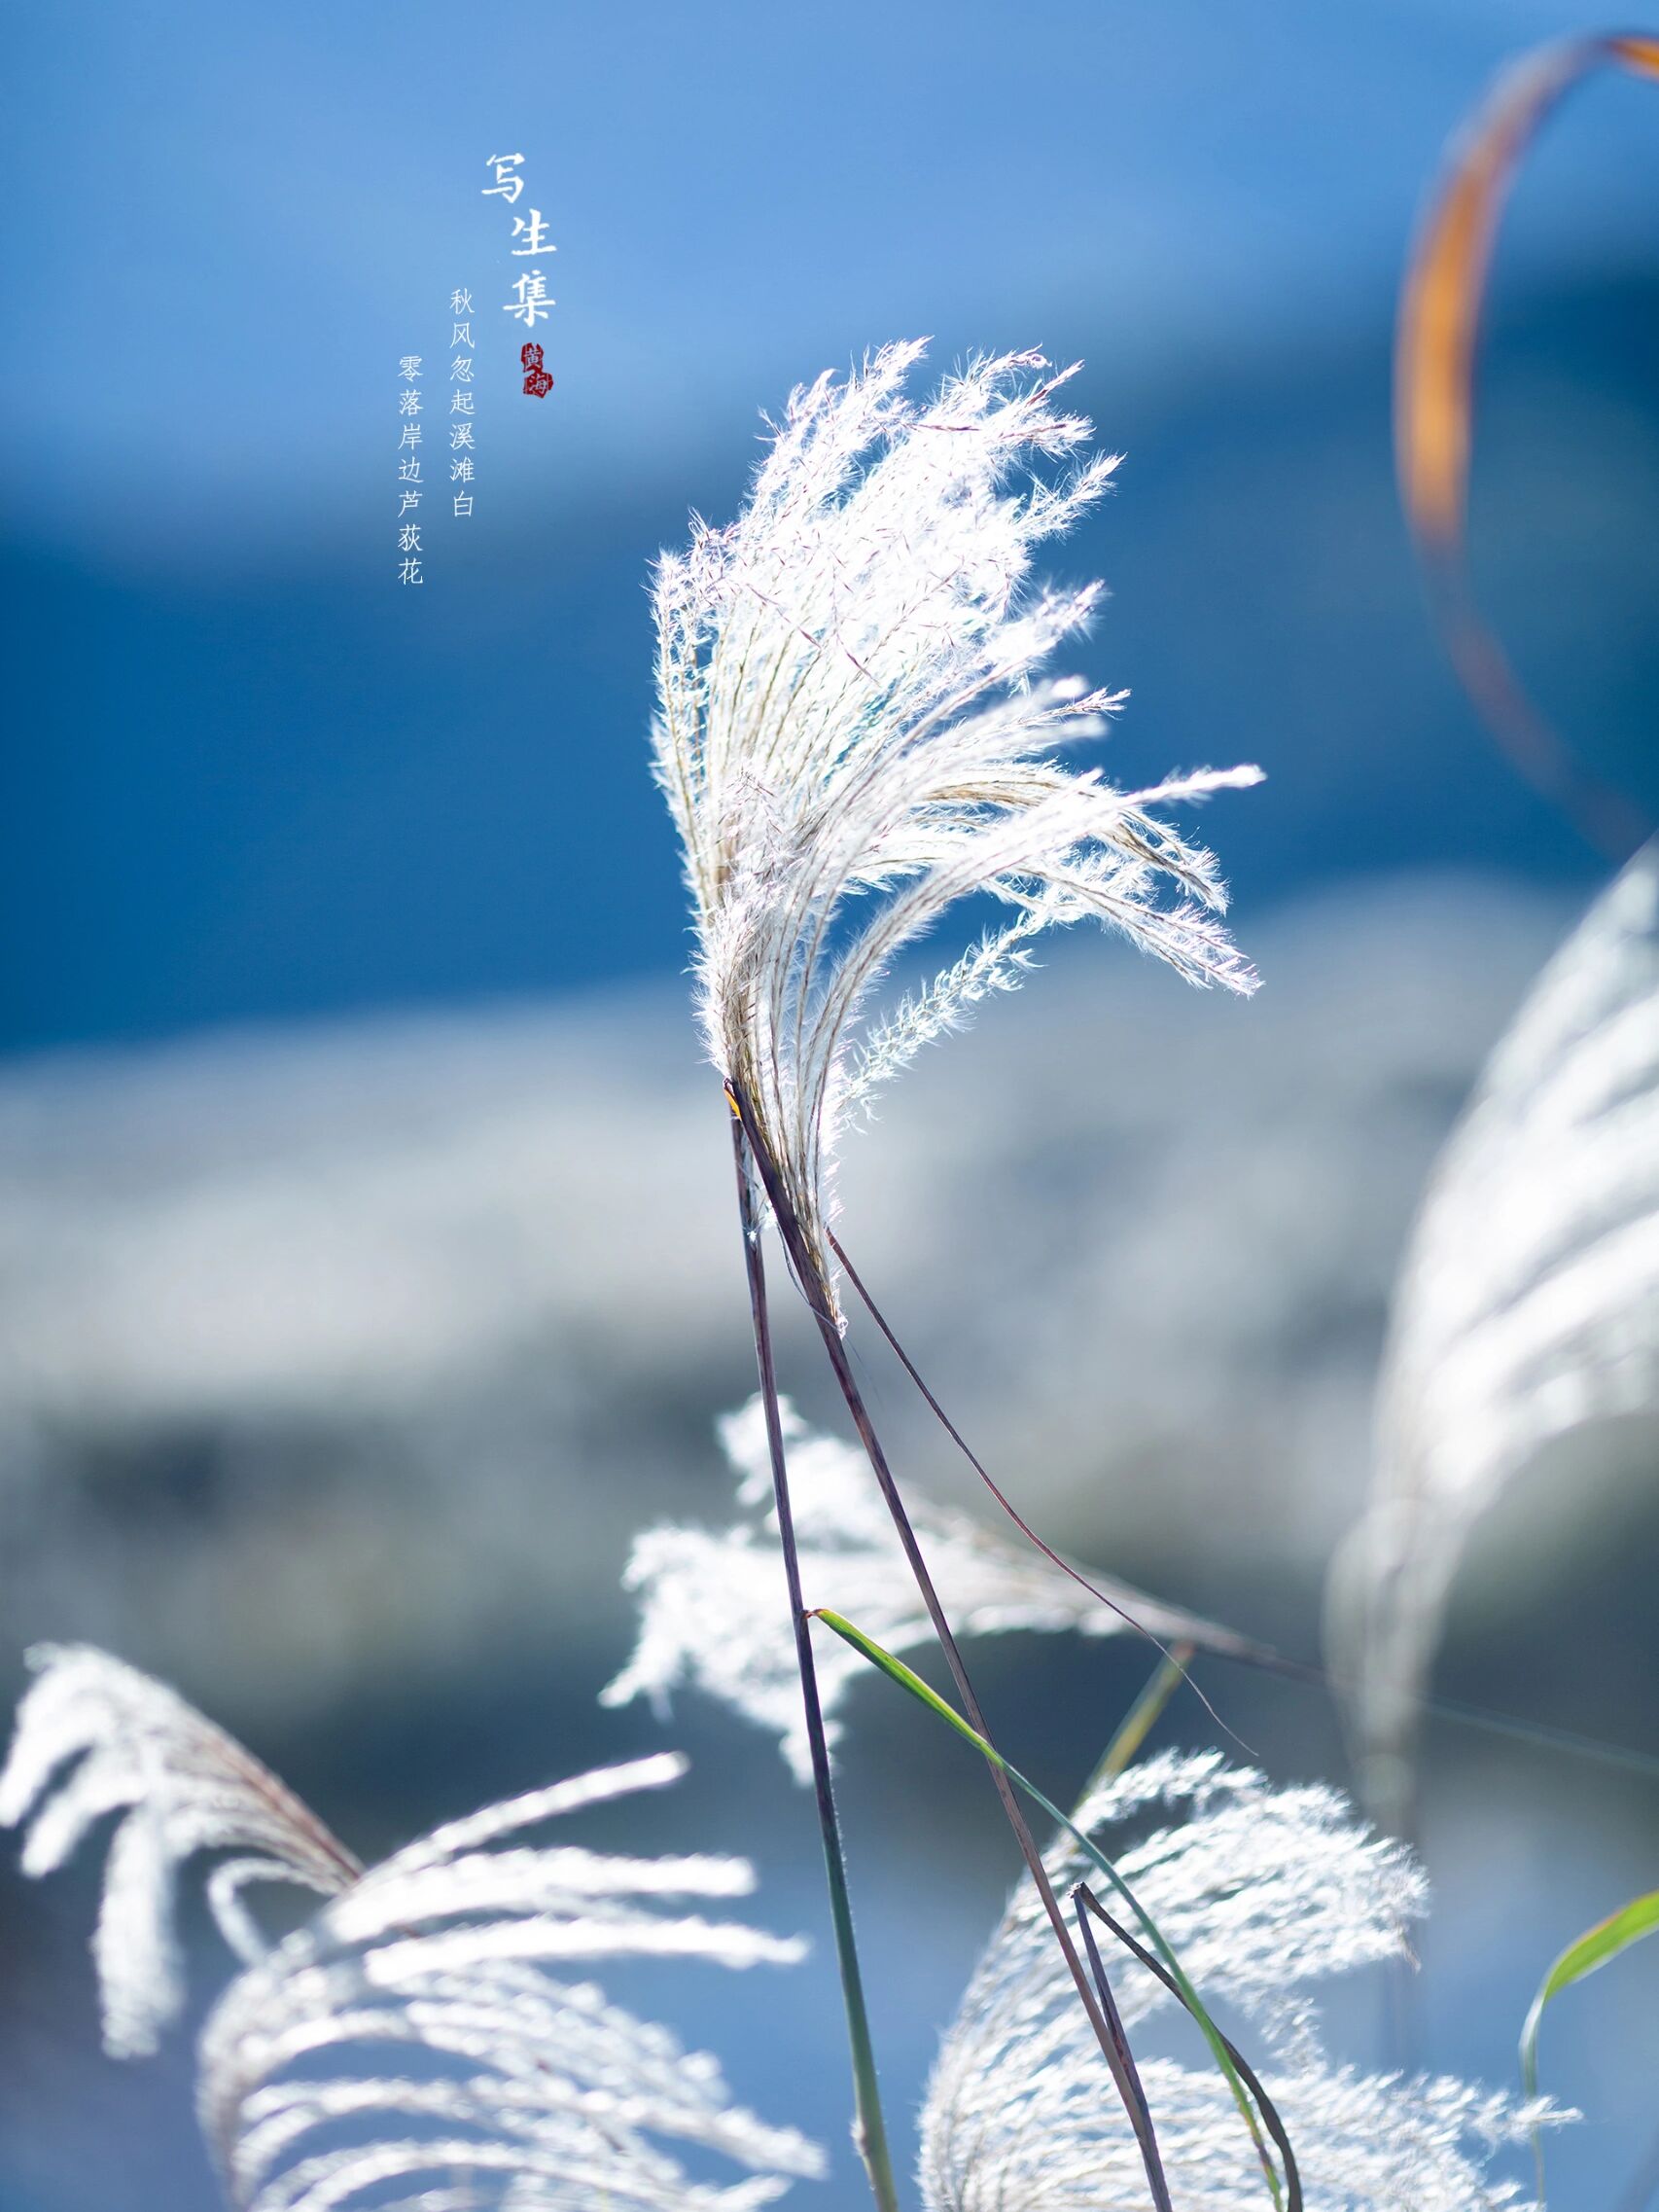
[255,778]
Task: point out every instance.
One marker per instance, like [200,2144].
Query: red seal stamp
[537,382]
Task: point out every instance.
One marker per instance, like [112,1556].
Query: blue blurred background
[334,906]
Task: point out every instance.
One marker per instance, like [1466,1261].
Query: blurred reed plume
[511,2079]
[1528,1305]
[182,1787]
[712,1609]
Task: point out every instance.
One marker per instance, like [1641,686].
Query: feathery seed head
[853,732]
[183,1786]
[1260,1892]
[713,1614]
[535,2088]
[513,2088]
[1528,1305]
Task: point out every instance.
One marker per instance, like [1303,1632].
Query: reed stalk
[869,2125]
[808,1276]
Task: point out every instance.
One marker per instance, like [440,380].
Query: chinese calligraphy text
[410,373]
[532,302]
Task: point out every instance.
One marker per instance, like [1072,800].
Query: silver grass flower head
[1260,1892]
[854,731]
[528,2086]
[714,1614]
[513,2086]
[1528,1305]
[183,1786]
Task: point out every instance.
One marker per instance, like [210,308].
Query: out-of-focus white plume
[511,2088]
[714,1614]
[1529,1303]
[1260,1892]
[183,1786]
[532,2091]
[853,733]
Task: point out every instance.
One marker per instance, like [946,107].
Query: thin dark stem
[1082,1896]
[807,1274]
[1193,1630]
[870,2131]
[1125,2072]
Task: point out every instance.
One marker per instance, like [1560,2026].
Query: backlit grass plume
[855,731]
[1262,1891]
[182,1787]
[1528,1305]
[510,2086]
[714,1614]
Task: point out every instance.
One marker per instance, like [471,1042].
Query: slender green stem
[1141,1719]
[897,1671]
[869,2127]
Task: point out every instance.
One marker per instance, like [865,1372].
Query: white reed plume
[183,1787]
[851,707]
[534,2090]
[1260,1892]
[1529,1301]
[714,1614]
[513,2088]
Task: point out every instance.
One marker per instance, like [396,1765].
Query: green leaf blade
[1598,1944]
